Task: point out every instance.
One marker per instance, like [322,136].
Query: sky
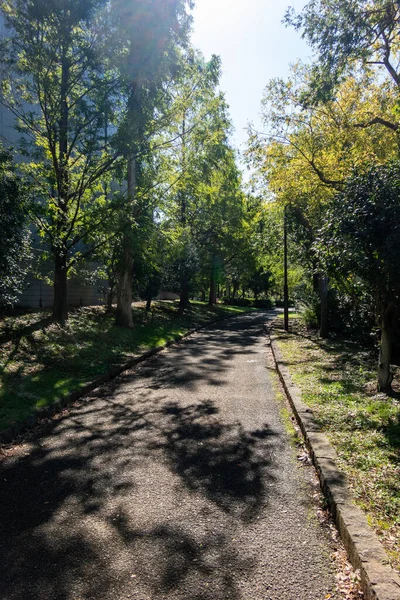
[254,47]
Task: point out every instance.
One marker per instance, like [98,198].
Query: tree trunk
[148,303]
[324,315]
[60,307]
[243,294]
[385,376]
[213,286]
[315,278]
[124,316]
[203,295]
[184,296]
[235,290]
[212,299]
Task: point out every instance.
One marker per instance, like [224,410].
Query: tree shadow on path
[68,502]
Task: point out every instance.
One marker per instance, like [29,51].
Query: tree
[347,35]
[203,175]
[307,152]
[151,33]
[218,225]
[14,240]
[60,86]
[361,237]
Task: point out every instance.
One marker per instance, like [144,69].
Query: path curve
[176,481]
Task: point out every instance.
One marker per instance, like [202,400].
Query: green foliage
[85,81]
[361,231]
[204,209]
[308,151]
[345,34]
[181,263]
[264,303]
[308,302]
[60,85]
[259,282]
[14,240]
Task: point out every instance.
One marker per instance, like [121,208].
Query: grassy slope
[41,362]
[337,380]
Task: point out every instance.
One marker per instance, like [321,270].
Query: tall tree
[219,226]
[361,237]
[347,35]
[59,85]
[306,152]
[14,240]
[151,31]
[199,129]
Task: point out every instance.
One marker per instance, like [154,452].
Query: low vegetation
[337,380]
[41,362]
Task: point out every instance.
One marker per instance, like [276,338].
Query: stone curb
[378,580]
[8,435]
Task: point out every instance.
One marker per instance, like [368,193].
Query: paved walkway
[176,481]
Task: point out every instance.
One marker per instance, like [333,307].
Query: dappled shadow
[345,353]
[223,461]
[395,393]
[361,408]
[80,511]
[346,386]
[36,374]
[369,422]
[172,559]
[9,330]
[204,359]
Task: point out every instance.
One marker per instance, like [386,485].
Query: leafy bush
[263,303]
[352,311]
[308,303]
[237,301]
[14,239]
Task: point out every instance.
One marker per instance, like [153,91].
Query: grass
[337,380]
[41,362]
[292,315]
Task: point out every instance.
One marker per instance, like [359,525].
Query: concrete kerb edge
[7,436]
[378,580]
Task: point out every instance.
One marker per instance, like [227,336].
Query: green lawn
[40,362]
[337,380]
[292,315]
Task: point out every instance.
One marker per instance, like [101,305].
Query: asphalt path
[175,481]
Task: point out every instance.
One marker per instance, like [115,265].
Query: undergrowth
[337,380]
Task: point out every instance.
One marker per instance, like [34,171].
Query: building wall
[38,294]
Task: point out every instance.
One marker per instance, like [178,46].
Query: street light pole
[285,275]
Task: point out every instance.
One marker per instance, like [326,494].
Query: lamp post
[285,276]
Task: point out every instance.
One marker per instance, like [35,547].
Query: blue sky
[254,47]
